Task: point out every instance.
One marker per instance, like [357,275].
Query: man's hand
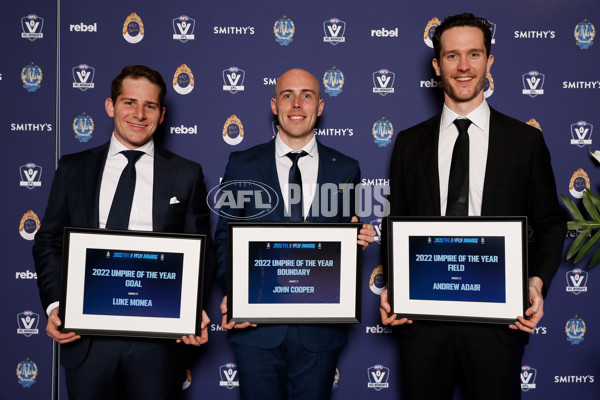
[232,324]
[366,234]
[536,311]
[385,309]
[52,329]
[198,340]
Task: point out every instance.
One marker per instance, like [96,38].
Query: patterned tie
[458,184]
[120,209]
[295,178]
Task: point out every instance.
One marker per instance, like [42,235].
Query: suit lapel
[498,147]
[430,141]
[164,176]
[92,179]
[268,172]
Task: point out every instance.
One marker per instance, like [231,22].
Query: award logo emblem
[183,28]
[533,83]
[430,30]
[31,176]
[284,30]
[27,322]
[579,182]
[581,134]
[383,131]
[377,280]
[334,31]
[575,330]
[534,123]
[333,80]
[29,225]
[31,75]
[584,34]
[233,131]
[32,26]
[233,80]
[378,377]
[228,374]
[488,86]
[377,226]
[133,29]
[528,375]
[83,126]
[576,281]
[27,372]
[83,77]
[183,80]
[383,81]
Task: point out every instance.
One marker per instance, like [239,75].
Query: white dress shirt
[309,169]
[479,134]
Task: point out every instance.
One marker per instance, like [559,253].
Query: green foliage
[582,245]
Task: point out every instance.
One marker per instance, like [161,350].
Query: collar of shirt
[116,147]
[480,117]
[282,149]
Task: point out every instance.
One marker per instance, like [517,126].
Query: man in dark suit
[508,173]
[289,361]
[169,196]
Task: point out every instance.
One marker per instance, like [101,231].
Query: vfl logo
[31,175]
[533,83]
[334,31]
[377,225]
[581,134]
[233,80]
[183,28]
[378,377]
[383,81]
[32,26]
[27,322]
[576,281]
[528,375]
[83,77]
[228,374]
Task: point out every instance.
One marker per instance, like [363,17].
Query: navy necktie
[120,209]
[458,184]
[295,178]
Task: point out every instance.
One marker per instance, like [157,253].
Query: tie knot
[296,156]
[132,155]
[462,124]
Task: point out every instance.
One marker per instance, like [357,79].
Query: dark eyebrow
[134,99]
[301,91]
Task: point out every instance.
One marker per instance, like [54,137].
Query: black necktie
[118,217]
[295,178]
[458,184]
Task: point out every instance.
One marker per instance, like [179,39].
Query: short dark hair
[136,72]
[465,19]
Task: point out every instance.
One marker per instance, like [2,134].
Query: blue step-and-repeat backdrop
[57,61]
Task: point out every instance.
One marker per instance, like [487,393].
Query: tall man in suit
[289,361]
[169,196]
[508,173]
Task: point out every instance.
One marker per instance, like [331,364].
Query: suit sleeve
[197,220]
[547,219]
[233,213]
[48,244]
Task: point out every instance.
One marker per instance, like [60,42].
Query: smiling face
[136,112]
[463,65]
[297,104]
